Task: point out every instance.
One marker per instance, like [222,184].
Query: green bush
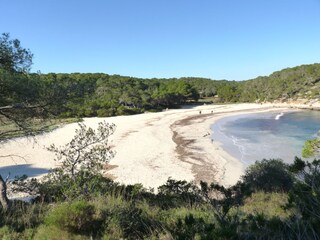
[311,148]
[76,217]
[186,223]
[269,176]
[269,204]
[22,216]
[135,223]
[9,234]
[54,233]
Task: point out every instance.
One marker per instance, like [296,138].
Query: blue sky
[219,39]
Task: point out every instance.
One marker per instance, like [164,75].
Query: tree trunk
[3,194]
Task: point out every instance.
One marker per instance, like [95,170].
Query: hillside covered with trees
[288,84]
[98,94]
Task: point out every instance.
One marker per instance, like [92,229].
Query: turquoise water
[251,137]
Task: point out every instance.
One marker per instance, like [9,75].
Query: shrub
[186,223]
[269,176]
[269,204]
[175,193]
[83,185]
[22,216]
[136,224]
[311,148]
[76,217]
[55,233]
[9,234]
[192,228]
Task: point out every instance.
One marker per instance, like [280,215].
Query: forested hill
[98,94]
[107,95]
[290,83]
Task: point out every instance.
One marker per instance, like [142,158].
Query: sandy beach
[150,147]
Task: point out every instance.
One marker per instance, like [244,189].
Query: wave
[241,148]
[279,116]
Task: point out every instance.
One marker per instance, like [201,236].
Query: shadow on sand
[22,169]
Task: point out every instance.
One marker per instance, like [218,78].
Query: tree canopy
[13,57]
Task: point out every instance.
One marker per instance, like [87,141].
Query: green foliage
[229,92]
[80,176]
[83,185]
[298,82]
[178,193]
[188,223]
[135,224]
[45,232]
[21,219]
[192,228]
[8,234]
[311,148]
[104,95]
[82,161]
[291,83]
[258,226]
[267,175]
[87,151]
[269,204]
[224,202]
[13,57]
[181,210]
[75,217]
[305,194]
[108,95]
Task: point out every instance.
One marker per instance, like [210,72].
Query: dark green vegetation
[109,95]
[287,84]
[180,210]
[85,95]
[105,95]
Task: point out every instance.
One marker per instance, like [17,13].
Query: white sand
[149,147]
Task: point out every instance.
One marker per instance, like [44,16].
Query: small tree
[82,161]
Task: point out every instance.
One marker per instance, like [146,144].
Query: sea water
[252,137]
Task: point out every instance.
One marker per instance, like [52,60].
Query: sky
[217,39]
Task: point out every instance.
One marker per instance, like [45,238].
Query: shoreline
[210,162]
[150,147]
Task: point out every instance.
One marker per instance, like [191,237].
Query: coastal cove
[159,120]
[150,147]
